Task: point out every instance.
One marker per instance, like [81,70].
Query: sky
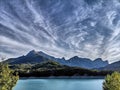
[61,28]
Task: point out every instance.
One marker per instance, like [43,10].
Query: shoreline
[65,77]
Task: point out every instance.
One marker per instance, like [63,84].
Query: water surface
[59,84]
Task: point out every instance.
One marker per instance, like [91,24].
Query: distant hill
[86,63]
[112,67]
[38,57]
[52,68]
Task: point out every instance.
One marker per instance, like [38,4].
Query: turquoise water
[59,84]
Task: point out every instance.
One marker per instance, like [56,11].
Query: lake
[59,84]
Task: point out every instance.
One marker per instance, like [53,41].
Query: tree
[112,82]
[8,78]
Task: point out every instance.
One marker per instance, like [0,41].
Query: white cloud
[61,29]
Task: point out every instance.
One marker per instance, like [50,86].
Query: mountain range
[112,67]
[38,57]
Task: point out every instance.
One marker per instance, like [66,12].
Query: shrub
[7,77]
[112,82]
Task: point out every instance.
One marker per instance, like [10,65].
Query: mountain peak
[63,58]
[41,52]
[75,57]
[98,59]
[32,52]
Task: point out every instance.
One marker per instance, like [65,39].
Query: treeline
[8,78]
[51,68]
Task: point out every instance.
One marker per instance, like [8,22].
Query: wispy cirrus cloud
[61,28]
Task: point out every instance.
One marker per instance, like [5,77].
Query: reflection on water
[59,84]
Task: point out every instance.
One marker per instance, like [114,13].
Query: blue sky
[63,28]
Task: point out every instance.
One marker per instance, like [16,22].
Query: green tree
[8,78]
[112,82]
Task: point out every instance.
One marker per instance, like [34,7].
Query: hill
[112,67]
[52,68]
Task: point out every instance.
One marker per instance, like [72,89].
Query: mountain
[31,57]
[38,57]
[77,61]
[87,63]
[113,67]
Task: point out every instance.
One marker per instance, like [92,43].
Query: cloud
[61,28]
